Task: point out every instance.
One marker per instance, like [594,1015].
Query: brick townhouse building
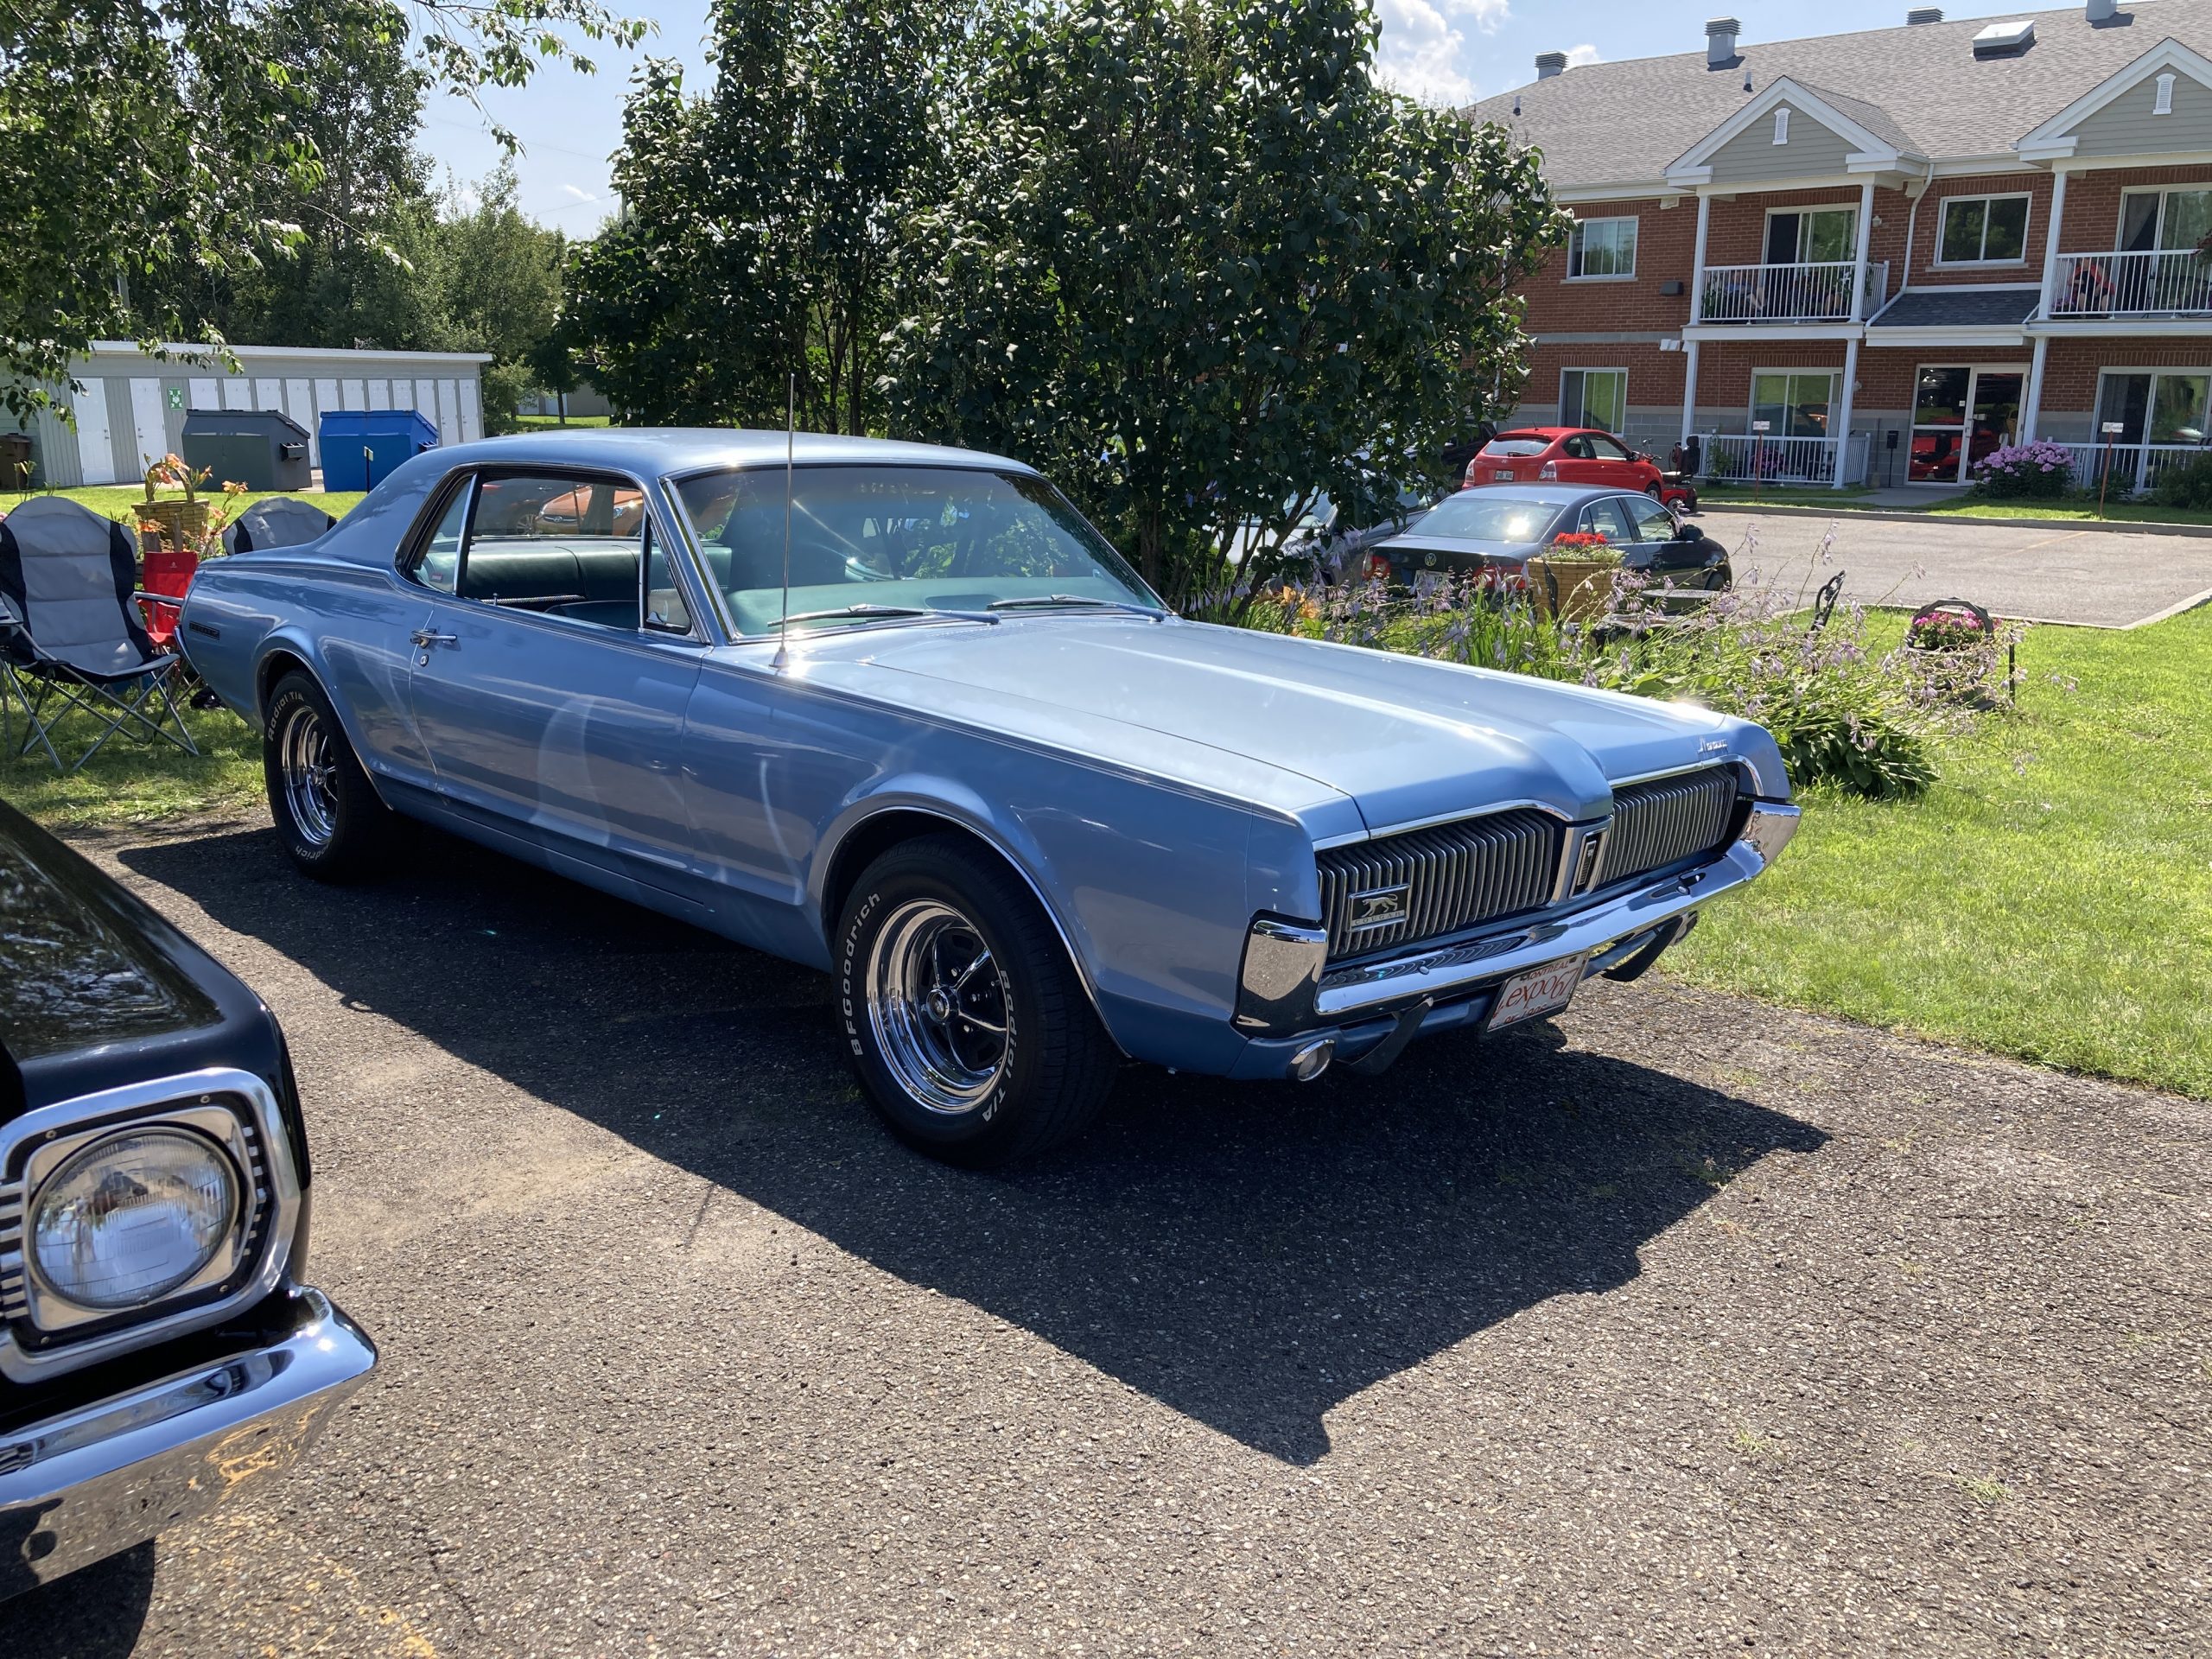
[1876,257]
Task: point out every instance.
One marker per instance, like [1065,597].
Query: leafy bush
[2189,484]
[2038,471]
[1840,711]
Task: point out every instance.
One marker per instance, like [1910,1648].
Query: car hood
[1287,722]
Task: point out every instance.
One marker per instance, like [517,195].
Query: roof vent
[2103,11]
[1720,34]
[1549,63]
[1999,39]
[1928,14]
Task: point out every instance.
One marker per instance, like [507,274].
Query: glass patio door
[1959,416]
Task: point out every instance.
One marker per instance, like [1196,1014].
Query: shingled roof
[1919,86]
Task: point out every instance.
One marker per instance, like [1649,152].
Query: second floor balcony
[2163,282]
[1825,291]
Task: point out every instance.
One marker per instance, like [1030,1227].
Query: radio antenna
[790,443]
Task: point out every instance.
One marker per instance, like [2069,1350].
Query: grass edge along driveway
[2051,898]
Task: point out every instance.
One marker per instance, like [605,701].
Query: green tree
[140,139]
[1201,266]
[502,290]
[760,222]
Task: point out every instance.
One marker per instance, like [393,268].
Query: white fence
[1743,457]
[1806,293]
[2128,468]
[2125,284]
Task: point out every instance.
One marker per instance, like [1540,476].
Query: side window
[437,566]
[559,544]
[665,611]
[1652,521]
[1577,448]
[1608,449]
[1604,519]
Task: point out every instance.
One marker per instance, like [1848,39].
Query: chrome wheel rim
[309,765]
[937,1005]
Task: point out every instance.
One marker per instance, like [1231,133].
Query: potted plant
[174,523]
[1572,578]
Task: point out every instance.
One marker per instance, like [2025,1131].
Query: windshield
[1487,515]
[868,542]
[1517,446]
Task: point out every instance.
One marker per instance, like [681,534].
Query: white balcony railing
[1808,293]
[2131,284]
[2128,468]
[1745,457]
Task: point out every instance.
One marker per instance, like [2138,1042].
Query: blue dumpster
[361,447]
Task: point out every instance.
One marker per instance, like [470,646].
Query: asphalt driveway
[2107,578]
[1688,1326]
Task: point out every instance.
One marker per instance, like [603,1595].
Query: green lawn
[539,423]
[135,783]
[118,501]
[1783,495]
[2117,513]
[2051,898]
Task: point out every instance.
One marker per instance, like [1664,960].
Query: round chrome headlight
[131,1218]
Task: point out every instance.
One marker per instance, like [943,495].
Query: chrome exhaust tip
[1311,1061]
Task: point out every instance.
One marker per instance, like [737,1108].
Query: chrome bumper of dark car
[1431,989]
[97,1480]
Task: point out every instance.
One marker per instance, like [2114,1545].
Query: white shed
[131,410]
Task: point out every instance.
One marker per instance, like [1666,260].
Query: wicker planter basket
[183,523]
[1572,589]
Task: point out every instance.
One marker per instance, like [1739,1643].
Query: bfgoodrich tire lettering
[326,812]
[963,1015]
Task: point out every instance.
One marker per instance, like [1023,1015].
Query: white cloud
[1424,48]
[579,194]
[1583,53]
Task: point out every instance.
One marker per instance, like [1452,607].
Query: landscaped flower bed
[2040,470]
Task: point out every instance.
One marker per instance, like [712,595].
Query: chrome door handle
[426,639]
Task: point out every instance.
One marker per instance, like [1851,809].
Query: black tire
[334,829]
[995,1102]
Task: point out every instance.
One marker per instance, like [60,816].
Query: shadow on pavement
[1248,1255]
[96,1612]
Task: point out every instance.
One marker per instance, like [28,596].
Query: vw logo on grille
[1380,906]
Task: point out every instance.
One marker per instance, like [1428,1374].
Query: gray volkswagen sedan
[1499,529]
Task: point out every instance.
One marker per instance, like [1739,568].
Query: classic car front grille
[1667,820]
[11,1253]
[1407,887]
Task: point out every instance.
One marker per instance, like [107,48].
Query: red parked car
[1573,455]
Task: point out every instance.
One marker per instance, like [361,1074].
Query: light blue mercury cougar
[967,762]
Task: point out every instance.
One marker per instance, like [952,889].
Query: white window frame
[1598,368]
[2164,192]
[2155,371]
[1781,123]
[1802,212]
[1751,405]
[1574,249]
[2027,232]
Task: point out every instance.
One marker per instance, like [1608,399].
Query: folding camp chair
[70,637]
[281,521]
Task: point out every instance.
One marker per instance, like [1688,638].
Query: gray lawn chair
[281,521]
[70,634]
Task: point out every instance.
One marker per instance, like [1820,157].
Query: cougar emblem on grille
[1379,907]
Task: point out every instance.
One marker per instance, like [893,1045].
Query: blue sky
[1450,50]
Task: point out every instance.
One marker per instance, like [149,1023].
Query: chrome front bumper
[1325,1002]
[103,1478]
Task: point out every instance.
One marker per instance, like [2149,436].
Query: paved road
[2110,578]
[1688,1327]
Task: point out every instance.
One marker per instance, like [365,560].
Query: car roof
[650,449]
[1554,494]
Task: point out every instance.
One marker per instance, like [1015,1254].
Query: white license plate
[1540,990]
[1503,475]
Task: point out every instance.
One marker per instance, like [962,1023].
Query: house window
[1807,236]
[1984,231]
[1602,247]
[2157,219]
[1782,125]
[1794,403]
[2153,406]
[1594,397]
